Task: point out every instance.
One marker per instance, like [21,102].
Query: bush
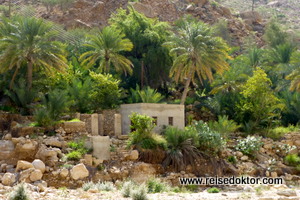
[232,159]
[105,186]
[140,193]
[74,155]
[42,117]
[19,193]
[213,190]
[156,185]
[104,91]
[210,142]
[182,148]
[223,126]
[292,160]
[88,185]
[142,136]
[249,146]
[127,188]
[279,132]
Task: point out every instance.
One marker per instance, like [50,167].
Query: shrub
[74,155]
[279,132]
[104,91]
[88,185]
[140,193]
[213,190]
[142,136]
[19,193]
[210,142]
[156,185]
[105,186]
[127,188]
[223,126]
[250,145]
[182,147]
[292,160]
[42,117]
[232,159]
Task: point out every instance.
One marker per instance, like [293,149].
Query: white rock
[287,193]
[36,175]
[79,172]
[8,179]
[38,164]
[23,165]
[244,158]
[42,185]
[248,188]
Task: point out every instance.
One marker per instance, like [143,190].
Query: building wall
[161,111]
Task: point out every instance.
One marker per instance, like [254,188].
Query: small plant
[223,126]
[88,185]
[250,145]
[213,190]
[74,155]
[127,188]
[292,160]
[139,193]
[191,188]
[105,186]
[19,193]
[112,148]
[232,159]
[156,186]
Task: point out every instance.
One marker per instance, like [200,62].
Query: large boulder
[54,142]
[141,172]
[79,172]
[25,148]
[47,155]
[23,165]
[40,165]
[25,175]
[8,179]
[74,127]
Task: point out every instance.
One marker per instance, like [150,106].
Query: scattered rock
[79,172]
[64,173]
[244,158]
[54,142]
[36,175]
[23,165]
[287,193]
[38,164]
[133,155]
[8,179]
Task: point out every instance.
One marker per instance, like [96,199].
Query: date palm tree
[106,48]
[30,42]
[196,52]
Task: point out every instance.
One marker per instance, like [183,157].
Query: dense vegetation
[138,59]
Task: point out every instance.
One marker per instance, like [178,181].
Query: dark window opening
[171,121]
[154,120]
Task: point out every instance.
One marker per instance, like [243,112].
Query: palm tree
[106,48]
[31,42]
[196,51]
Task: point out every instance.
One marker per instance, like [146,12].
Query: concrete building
[163,114]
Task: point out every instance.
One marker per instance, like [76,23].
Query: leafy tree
[106,47]
[151,60]
[196,52]
[259,105]
[32,42]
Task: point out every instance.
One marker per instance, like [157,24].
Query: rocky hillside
[285,11]
[95,13]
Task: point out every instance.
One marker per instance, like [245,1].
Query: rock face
[141,172]
[40,165]
[54,142]
[6,149]
[25,148]
[47,155]
[8,179]
[23,165]
[79,172]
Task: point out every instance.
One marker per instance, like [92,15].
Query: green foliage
[142,136]
[232,159]
[292,160]
[105,91]
[22,96]
[146,95]
[105,48]
[220,29]
[259,104]
[105,186]
[291,112]
[88,185]
[150,58]
[223,126]
[274,35]
[278,132]
[210,142]
[19,193]
[249,146]
[74,155]
[140,193]
[42,117]
[182,148]
[155,185]
[213,190]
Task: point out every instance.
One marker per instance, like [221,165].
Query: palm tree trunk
[13,79]
[29,74]
[186,89]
